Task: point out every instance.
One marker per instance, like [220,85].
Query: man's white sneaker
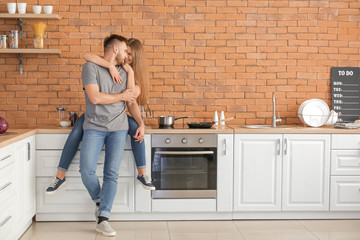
[105,228]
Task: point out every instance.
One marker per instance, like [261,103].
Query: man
[106,123]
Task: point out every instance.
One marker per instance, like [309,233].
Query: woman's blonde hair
[140,70]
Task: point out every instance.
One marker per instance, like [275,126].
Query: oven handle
[185,152]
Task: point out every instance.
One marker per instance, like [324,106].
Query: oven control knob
[184,140]
[167,140]
[201,140]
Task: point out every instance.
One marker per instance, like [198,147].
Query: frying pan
[200,124]
[204,124]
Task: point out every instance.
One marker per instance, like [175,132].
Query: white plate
[315,113]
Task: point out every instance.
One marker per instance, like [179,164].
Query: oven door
[184,172]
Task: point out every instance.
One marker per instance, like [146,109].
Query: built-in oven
[184,165]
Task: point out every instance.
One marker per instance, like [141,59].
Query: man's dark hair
[112,39]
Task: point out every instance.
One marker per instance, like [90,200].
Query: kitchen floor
[201,230]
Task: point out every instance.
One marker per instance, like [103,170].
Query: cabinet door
[345,193]
[224,173]
[257,172]
[306,172]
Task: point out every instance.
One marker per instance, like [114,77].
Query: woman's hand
[115,74]
[139,134]
[127,68]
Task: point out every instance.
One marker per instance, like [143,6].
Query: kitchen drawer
[47,162]
[345,193]
[345,141]
[7,219]
[74,198]
[7,155]
[345,162]
[7,182]
[57,141]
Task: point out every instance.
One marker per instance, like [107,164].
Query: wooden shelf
[30,50]
[30,16]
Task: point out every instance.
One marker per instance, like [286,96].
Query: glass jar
[2,41]
[14,41]
[61,117]
[73,117]
[39,41]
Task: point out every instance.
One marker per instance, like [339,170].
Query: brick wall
[203,55]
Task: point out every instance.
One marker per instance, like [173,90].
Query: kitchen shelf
[21,51]
[30,16]
[30,50]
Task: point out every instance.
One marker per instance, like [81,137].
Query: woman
[135,66]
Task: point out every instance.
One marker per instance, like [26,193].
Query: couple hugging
[111,83]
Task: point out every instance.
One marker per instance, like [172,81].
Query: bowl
[65,123]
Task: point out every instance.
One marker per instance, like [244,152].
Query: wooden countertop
[14,135]
[297,129]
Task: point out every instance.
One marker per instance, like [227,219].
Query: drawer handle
[5,221]
[75,190]
[5,186]
[4,158]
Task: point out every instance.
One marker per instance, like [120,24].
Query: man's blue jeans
[92,143]
[73,141]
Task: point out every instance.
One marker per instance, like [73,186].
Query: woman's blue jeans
[93,141]
[73,141]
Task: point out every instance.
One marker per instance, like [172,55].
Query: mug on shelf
[11,8]
[22,8]
[48,9]
[37,9]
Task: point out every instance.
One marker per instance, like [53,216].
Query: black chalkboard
[345,92]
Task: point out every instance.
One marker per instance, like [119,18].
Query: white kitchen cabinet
[26,184]
[225,157]
[72,201]
[287,172]
[257,172]
[345,173]
[7,192]
[306,171]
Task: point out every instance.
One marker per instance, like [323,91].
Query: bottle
[2,41]
[73,117]
[222,118]
[216,118]
[13,39]
[61,112]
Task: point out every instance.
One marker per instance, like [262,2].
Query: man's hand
[139,134]
[114,74]
[128,95]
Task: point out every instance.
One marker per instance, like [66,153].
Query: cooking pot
[167,121]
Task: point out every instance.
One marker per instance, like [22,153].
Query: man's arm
[135,113]
[97,97]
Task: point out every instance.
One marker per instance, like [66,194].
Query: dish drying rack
[314,120]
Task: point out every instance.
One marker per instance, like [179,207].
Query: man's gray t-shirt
[104,117]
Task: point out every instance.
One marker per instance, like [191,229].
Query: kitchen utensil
[37,9]
[22,8]
[200,124]
[11,8]
[314,112]
[65,123]
[216,118]
[334,116]
[205,124]
[48,9]
[167,121]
